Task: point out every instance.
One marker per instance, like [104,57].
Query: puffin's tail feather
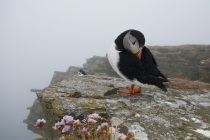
[163,76]
[162,86]
[149,79]
[152,80]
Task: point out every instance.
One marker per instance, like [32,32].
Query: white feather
[113,57]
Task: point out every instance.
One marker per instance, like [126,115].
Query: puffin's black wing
[144,70]
[151,64]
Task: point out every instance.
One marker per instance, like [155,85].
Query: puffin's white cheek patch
[127,43]
[130,43]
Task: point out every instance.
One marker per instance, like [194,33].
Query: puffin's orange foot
[131,89]
[136,89]
[123,90]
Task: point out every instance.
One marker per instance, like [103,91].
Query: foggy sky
[53,33]
[38,37]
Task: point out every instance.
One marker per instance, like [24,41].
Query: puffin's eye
[134,43]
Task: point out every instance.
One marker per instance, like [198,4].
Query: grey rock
[176,114]
[60,76]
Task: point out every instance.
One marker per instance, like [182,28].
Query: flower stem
[65,136]
[42,132]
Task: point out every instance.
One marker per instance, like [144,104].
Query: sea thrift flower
[40,123]
[77,123]
[94,116]
[111,131]
[104,126]
[86,133]
[66,129]
[121,137]
[91,121]
[131,134]
[84,129]
[67,119]
[58,125]
[100,131]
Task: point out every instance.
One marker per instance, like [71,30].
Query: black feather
[144,70]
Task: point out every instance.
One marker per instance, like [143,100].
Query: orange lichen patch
[178,83]
[91,104]
[70,91]
[55,108]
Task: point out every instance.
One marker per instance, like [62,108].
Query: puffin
[134,62]
[81,72]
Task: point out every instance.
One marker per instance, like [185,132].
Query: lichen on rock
[154,114]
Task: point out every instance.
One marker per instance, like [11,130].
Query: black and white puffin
[81,72]
[134,62]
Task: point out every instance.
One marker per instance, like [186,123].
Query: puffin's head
[131,41]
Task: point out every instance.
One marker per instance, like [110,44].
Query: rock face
[36,112]
[99,65]
[60,76]
[176,114]
[184,61]
[95,65]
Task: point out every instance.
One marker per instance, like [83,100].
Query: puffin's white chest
[114,57]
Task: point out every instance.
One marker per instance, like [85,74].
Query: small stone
[111,92]
[137,115]
[75,95]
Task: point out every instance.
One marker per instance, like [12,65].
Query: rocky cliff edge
[176,114]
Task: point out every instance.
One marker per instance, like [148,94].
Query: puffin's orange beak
[140,54]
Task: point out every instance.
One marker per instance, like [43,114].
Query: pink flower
[66,129]
[94,116]
[40,123]
[87,134]
[131,134]
[67,119]
[58,125]
[104,126]
[100,131]
[111,131]
[121,137]
[84,129]
[91,121]
[77,123]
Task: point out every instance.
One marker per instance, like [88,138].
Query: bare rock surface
[178,114]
